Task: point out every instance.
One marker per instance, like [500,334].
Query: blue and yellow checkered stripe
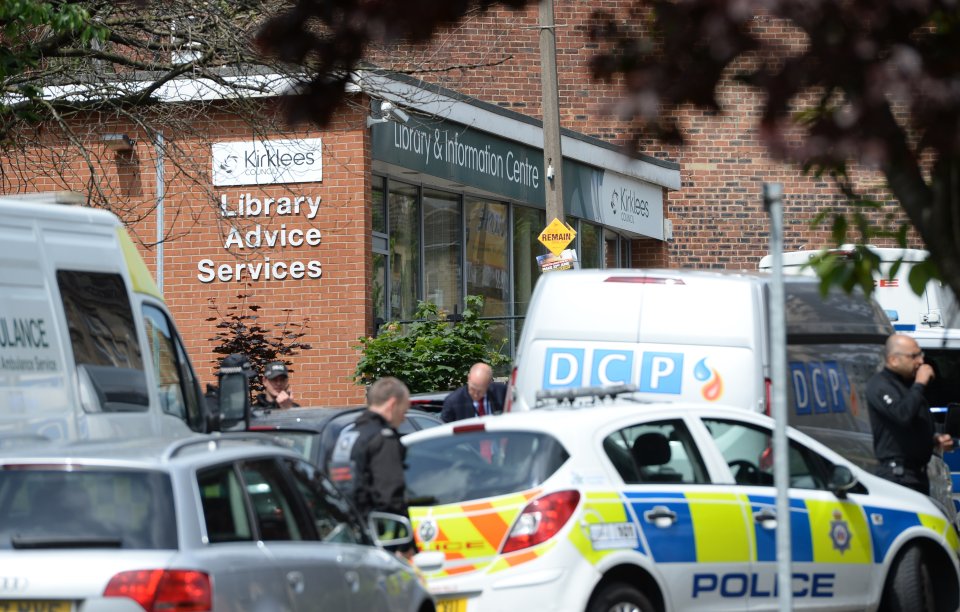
[719,527]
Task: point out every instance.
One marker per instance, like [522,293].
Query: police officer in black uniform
[367,461]
[904,435]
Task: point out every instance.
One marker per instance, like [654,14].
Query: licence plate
[35,606]
[451,605]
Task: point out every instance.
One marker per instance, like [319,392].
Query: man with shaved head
[479,397]
[904,436]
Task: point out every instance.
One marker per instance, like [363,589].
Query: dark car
[312,432]
[429,402]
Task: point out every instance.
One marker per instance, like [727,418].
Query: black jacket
[262,403]
[903,428]
[459,405]
[378,456]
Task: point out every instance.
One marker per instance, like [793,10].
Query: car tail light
[541,520]
[767,401]
[511,389]
[161,590]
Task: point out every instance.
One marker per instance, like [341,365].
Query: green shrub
[431,354]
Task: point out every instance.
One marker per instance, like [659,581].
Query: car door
[377,581]
[244,574]
[831,546]
[694,532]
[311,570]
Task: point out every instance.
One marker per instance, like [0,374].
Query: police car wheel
[619,597]
[909,587]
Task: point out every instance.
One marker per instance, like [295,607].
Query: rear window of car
[81,508]
[479,464]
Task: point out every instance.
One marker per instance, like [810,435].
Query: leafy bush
[240,332]
[434,353]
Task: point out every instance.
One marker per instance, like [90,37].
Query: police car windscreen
[479,464]
[86,508]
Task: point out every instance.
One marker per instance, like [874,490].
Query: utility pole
[552,155]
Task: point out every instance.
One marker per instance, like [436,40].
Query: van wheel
[909,587]
[619,597]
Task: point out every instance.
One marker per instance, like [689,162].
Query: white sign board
[631,205]
[267,162]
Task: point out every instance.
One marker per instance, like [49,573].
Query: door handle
[295,580]
[767,518]
[660,516]
[353,579]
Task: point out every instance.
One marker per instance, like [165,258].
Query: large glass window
[611,249]
[404,221]
[442,228]
[488,272]
[589,238]
[527,225]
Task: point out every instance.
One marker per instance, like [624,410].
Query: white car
[633,506]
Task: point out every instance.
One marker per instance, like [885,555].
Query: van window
[103,337]
[176,386]
[479,464]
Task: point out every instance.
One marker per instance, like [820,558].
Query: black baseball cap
[236,362]
[274,369]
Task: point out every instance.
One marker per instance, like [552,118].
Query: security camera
[388,109]
[400,115]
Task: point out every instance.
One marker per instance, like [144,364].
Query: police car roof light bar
[570,394]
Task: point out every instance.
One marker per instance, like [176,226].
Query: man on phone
[276,388]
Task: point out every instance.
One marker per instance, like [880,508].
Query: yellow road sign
[556,236]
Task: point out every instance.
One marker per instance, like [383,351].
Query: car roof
[151,452]
[569,424]
[314,419]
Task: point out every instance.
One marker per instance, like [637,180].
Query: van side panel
[35,395]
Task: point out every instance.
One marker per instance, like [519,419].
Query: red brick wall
[718,217]
[336,306]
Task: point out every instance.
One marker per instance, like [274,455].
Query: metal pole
[773,204]
[552,155]
[161,195]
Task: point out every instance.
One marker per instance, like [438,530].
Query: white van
[936,308]
[87,347]
[704,336]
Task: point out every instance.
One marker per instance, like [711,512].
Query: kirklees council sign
[513,170]
[267,162]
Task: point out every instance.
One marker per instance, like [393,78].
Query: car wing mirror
[234,401]
[390,529]
[842,480]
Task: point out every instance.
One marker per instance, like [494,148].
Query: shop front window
[589,238]
[527,225]
[404,222]
[442,227]
[611,250]
[488,273]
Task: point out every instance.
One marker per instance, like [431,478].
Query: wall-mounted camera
[384,110]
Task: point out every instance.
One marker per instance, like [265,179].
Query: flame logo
[714,387]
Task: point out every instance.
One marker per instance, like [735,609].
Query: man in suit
[479,397]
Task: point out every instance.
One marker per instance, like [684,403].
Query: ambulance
[614,504]
[935,308]
[88,348]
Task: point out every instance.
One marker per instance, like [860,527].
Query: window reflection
[488,274]
[442,227]
[404,213]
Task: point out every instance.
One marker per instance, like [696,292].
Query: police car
[632,506]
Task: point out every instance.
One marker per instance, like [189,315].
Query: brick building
[350,225]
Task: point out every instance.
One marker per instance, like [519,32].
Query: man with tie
[479,397]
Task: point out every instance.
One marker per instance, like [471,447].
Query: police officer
[276,388]
[366,463]
[903,430]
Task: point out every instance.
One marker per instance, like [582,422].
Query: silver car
[231,522]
